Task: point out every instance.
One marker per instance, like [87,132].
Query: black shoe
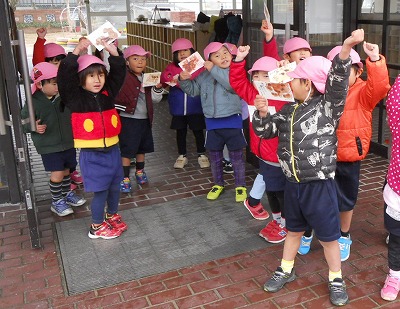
[227,167]
[338,293]
[278,280]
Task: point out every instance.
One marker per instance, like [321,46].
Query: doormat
[160,238]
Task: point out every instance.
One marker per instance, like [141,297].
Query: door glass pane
[3,176]
[371,9]
[393,45]
[394,13]
[372,34]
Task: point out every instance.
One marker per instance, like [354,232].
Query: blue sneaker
[125,185]
[74,199]
[344,245]
[61,208]
[141,177]
[305,245]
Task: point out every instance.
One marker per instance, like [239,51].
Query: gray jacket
[218,99]
[307,131]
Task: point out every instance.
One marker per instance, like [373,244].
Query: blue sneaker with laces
[74,199]
[141,177]
[344,245]
[61,208]
[305,245]
[125,185]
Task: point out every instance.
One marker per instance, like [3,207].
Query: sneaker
[305,245]
[76,177]
[390,288]
[241,194]
[278,280]
[344,244]
[258,212]
[61,208]
[337,292]
[181,162]
[227,167]
[141,177]
[105,231]
[203,161]
[73,186]
[275,233]
[125,185]
[74,199]
[215,192]
[116,222]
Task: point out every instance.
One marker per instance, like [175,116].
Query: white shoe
[181,162]
[203,161]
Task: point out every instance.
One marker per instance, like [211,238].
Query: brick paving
[33,278]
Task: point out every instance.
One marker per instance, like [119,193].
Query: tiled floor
[33,278]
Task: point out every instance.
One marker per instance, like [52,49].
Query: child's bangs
[95,68]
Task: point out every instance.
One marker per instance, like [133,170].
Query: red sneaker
[76,177]
[258,212]
[116,222]
[273,232]
[106,231]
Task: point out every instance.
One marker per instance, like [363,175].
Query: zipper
[184,103]
[214,99]
[291,143]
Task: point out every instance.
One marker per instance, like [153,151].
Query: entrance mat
[160,238]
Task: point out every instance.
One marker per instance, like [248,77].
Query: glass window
[373,34]
[394,13]
[371,9]
[393,45]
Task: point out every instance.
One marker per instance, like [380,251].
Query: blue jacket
[181,104]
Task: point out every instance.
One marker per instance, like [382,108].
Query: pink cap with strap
[295,44]
[136,50]
[181,44]
[264,64]
[42,71]
[86,60]
[52,50]
[355,57]
[216,46]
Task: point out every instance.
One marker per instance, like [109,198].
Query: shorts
[194,122]
[100,169]
[233,139]
[347,178]
[59,161]
[313,205]
[136,137]
[273,177]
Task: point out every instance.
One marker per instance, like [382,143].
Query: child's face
[354,74]
[49,87]
[261,76]
[298,55]
[300,88]
[221,58]
[183,54]
[94,82]
[137,64]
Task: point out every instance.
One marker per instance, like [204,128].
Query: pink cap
[314,68]
[264,64]
[86,60]
[42,71]
[181,44]
[216,46]
[355,57]
[136,50]
[232,48]
[52,49]
[295,44]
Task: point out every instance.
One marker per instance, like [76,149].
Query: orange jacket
[355,126]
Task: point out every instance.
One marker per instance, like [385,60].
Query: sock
[66,185]
[345,234]
[277,217]
[139,166]
[308,233]
[95,227]
[287,266]
[335,274]
[55,190]
[283,222]
[253,201]
[126,171]
[394,273]
[108,216]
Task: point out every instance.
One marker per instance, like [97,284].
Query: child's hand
[208,65]
[111,48]
[261,104]
[357,36]
[184,75]
[159,86]
[268,30]
[41,32]
[82,46]
[40,128]
[372,51]
[282,63]
[242,52]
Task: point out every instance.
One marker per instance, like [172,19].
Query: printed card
[174,81]
[279,75]
[266,12]
[106,31]
[192,63]
[271,91]
[151,79]
[252,109]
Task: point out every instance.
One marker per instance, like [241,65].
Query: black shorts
[347,178]
[233,139]
[274,178]
[59,161]
[136,137]
[195,122]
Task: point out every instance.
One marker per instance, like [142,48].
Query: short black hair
[56,58]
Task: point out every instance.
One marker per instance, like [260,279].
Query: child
[307,154]
[273,180]
[53,137]
[135,104]
[185,110]
[50,52]
[391,195]
[222,108]
[89,93]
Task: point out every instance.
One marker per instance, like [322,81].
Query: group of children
[309,160]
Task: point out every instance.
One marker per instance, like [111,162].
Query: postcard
[106,31]
[271,91]
[151,79]
[279,75]
[192,63]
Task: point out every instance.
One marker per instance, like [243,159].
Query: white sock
[283,222]
[394,273]
[277,217]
